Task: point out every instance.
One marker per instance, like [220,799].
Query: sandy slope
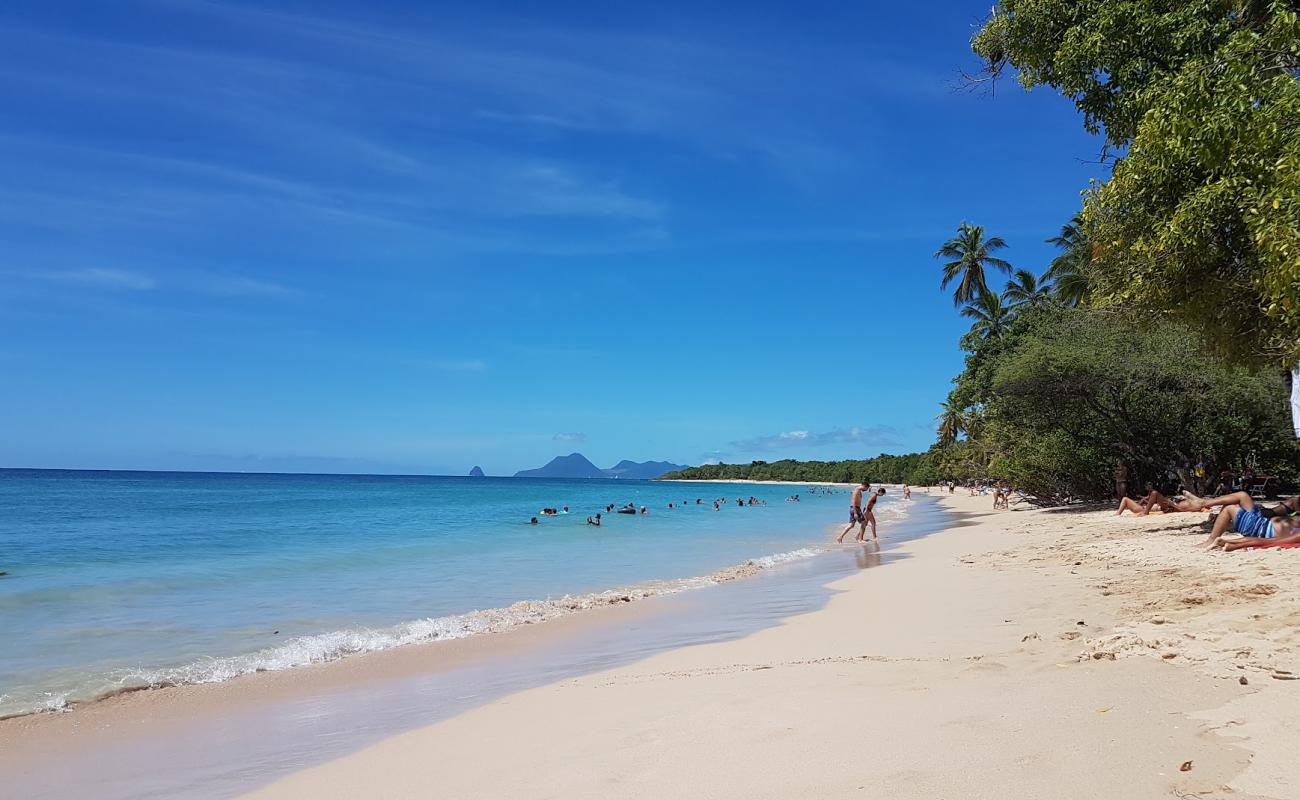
[1025,654]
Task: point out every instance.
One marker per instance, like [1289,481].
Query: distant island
[476,472]
[576,465]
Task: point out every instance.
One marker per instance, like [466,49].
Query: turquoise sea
[120,580]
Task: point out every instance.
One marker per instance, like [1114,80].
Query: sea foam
[322,648]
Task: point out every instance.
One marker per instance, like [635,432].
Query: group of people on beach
[999,489]
[1240,523]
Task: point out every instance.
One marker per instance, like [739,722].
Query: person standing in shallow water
[856,516]
[868,515]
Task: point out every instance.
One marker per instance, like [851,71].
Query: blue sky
[396,236]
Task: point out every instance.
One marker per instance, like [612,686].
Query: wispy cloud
[544,120]
[480,135]
[572,438]
[240,286]
[103,277]
[177,280]
[713,457]
[461,365]
[871,436]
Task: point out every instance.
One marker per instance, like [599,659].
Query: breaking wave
[325,647]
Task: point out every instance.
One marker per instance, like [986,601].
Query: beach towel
[1273,544]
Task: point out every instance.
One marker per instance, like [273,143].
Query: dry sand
[1026,654]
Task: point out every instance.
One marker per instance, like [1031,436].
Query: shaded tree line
[913,468]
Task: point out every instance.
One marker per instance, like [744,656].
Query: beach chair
[1260,490]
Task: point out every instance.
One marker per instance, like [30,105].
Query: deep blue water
[122,579]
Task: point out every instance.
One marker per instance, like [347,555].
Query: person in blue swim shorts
[1240,515]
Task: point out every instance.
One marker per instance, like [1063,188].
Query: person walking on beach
[855,512]
[870,516]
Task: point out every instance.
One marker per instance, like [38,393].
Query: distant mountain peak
[641,470]
[576,465]
[477,472]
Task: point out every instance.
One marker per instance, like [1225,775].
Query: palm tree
[1067,269]
[951,422]
[1026,290]
[969,253]
[990,314]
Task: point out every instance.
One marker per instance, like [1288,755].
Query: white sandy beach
[1029,654]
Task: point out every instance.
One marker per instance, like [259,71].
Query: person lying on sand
[1245,542]
[1247,520]
[1288,507]
[1155,499]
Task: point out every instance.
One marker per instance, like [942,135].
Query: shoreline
[431,631]
[761,483]
[32,745]
[505,602]
[1012,644]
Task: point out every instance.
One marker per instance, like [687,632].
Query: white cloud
[575,438]
[185,281]
[713,457]
[240,286]
[104,277]
[874,435]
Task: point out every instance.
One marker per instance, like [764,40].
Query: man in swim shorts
[856,517]
[1241,515]
[1288,507]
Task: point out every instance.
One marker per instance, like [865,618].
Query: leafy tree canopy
[915,468]
[1066,394]
[1201,215]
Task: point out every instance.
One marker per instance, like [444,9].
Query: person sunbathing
[1288,507]
[1246,542]
[1249,523]
[1155,499]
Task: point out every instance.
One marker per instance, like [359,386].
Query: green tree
[1026,290]
[1068,271]
[990,314]
[969,253]
[951,422]
[1066,393]
[1200,99]
[913,468]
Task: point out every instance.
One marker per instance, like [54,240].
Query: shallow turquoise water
[122,579]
